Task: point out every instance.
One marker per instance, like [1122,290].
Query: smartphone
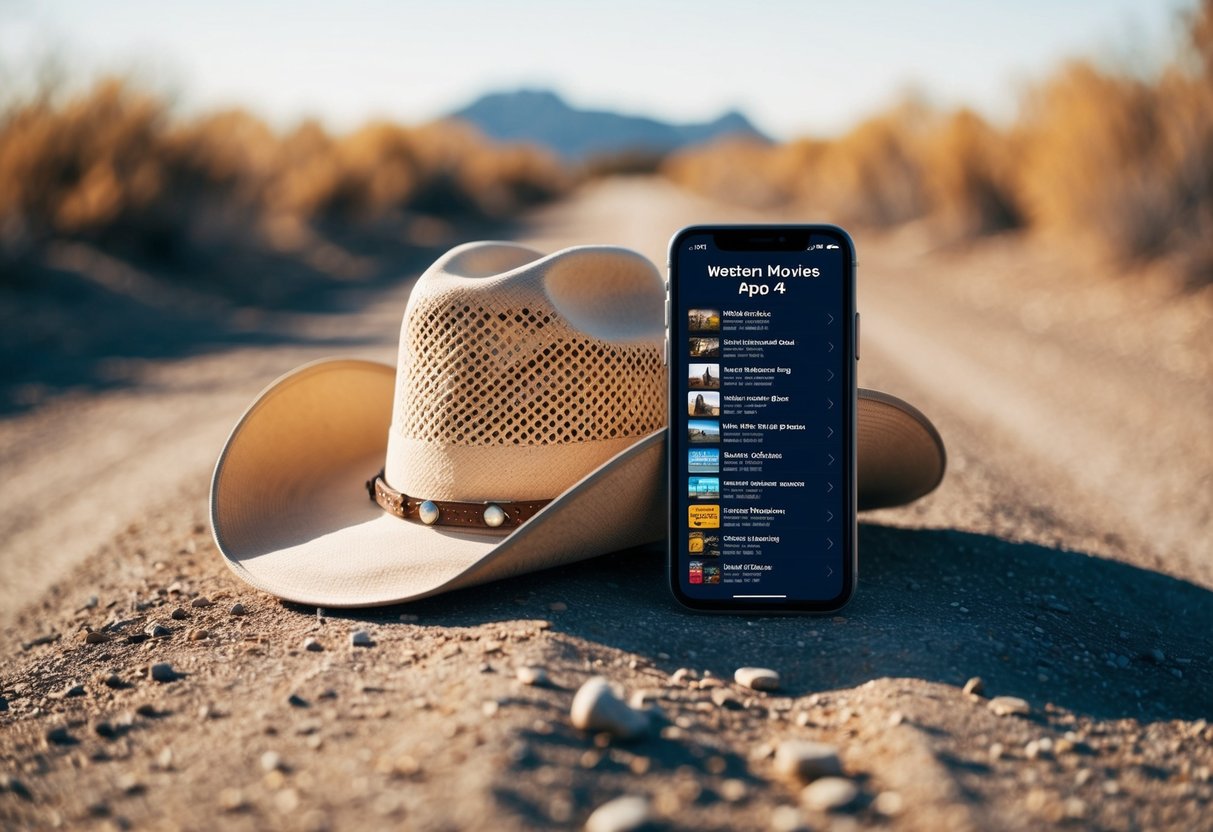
[762,345]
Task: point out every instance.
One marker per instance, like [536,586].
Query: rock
[231,800]
[147,709]
[597,708]
[114,681]
[757,678]
[199,635]
[202,602]
[733,790]
[975,686]
[623,814]
[681,676]
[788,819]
[157,630]
[312,645]
[807,760]
[162,672]
[534,676]
[179,614]
[1009,706]
[14,786]
[96,637]
[238,609]
[271,761]
[724,699]
[59,735]
[361,638]
[105,730]
[72,691]
[889,804]
[297,701]
[830,794]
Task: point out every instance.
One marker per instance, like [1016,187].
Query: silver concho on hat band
[494,515]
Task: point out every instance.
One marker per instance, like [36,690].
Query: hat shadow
[1083,632]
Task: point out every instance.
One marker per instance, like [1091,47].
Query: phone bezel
[850,560]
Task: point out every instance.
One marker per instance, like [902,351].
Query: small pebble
[14,786]
[681,676]
[106,730]
[534,676]
[788,819]
[830,794]
[72,691]
[271,761]
[163,672]
[623,814]
[179,614]
[202,602]
[296,701]
[1009,706]
[313,645]
[889,804]
[597,708]
[59,735]
[114,681]
[231,800]
[733,790]
[199,635]
[724,699]
[975,686]
[96,637]
[147,709]
[807,760]
[757,678]
[361,638]
[157,630]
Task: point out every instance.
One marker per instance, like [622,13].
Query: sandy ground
[1065,560]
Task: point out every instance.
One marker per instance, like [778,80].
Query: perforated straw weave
[514,386]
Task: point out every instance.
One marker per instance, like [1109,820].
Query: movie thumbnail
[704,347]
[704,544]
[704,376]
[703,517]
[711,573]
[703,404]
[703,488]
[703,320]
[695,573]
[703,432]
[703,460]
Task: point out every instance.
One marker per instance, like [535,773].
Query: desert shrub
[113,167]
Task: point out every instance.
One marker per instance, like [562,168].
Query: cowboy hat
[523,427]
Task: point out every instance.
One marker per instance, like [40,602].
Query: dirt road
[1065,559]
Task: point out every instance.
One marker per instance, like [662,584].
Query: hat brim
[291,515]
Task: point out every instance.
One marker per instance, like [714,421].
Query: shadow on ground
[1096,636]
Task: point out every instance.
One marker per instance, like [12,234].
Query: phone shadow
[1086,633]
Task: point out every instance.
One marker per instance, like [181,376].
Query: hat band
[487,514]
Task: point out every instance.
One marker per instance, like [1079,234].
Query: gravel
[361,638]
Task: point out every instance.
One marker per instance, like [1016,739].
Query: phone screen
[762,366]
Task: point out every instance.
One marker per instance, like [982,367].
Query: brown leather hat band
[486,515]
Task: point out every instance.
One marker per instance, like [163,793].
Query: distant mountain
[544,118]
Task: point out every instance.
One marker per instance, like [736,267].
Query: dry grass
[113,167]
[1121,162]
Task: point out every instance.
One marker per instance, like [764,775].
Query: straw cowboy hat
[522,427]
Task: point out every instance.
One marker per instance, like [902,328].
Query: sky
[794,68]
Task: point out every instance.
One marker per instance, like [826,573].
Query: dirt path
[1065,560]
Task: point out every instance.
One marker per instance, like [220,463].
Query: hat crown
[519,374]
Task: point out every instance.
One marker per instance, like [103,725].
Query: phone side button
[856,336]
[665,351]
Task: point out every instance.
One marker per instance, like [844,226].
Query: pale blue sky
[794,67]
